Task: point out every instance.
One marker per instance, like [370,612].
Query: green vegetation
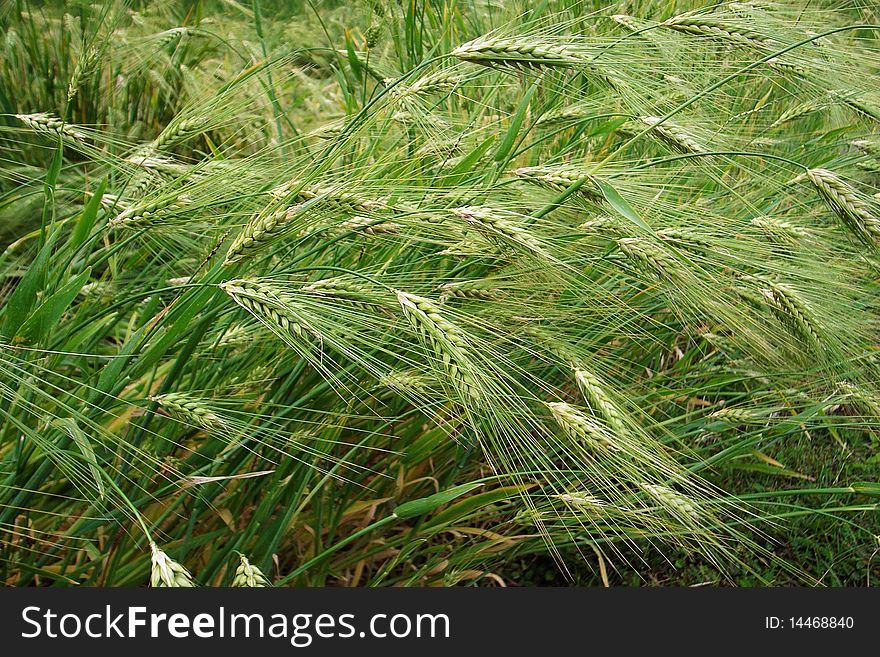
[458,292]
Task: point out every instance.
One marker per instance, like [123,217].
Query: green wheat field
[439,293]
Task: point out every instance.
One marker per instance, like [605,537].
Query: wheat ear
[560,178]
[268,305]
[601,404]
[516,53]
[856,213]
[581,427]
[47,124]
[248,575]
[443,338]
[190,409]
[723,31]
[677,504]
[166,572]
[793,312]
[780,231]
[581,500]
[674,135]
[498,223]
[650,257]
[153,213]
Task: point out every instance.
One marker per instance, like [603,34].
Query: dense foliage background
[439,293]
